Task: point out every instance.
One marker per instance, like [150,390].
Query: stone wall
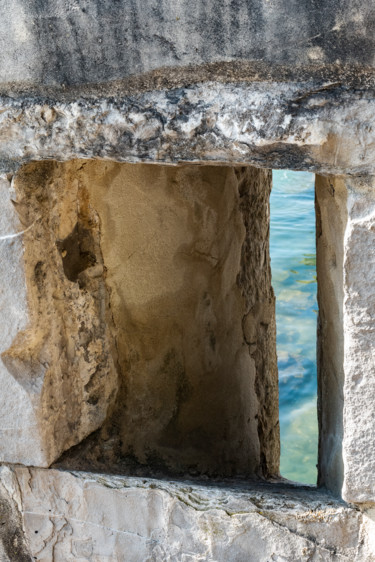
[151,313]
[137,329]
[76,42]
[345,278]
[145,345]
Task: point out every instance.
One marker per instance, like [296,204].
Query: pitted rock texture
[79,517]
[359,349]
[186,255]
[58,370]
[319,125]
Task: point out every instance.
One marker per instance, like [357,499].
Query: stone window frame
[312,126]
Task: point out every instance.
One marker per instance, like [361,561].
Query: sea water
[293,262]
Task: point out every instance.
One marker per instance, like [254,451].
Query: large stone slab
[79,517]
[79,42]
[346,269]
[319,126]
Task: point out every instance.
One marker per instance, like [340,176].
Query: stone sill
[79,516]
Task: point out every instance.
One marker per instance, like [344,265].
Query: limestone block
[57,372]
[80,516]
[268,124]
[19,427]
[359,343]
[186,255]
[64,42]
[346,272]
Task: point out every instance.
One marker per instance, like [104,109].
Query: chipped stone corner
[58,364]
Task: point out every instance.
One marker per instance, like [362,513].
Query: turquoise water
[294,282]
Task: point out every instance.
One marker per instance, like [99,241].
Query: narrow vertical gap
[293,262]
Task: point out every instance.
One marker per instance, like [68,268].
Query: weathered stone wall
[345,275]
[161,277]
[58,371]
[76,42]
[83,516]
[148,314]
[180,246]
[119,259]
[137,330]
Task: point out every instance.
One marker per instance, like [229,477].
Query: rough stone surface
[80,41]
[248,82]
[359,340]
[331,221]
[13,543]
[186,256]
[78,516]
[346,268]
[272,125]
[17,420]
[58,374]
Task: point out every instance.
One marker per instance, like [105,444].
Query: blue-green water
[294,282]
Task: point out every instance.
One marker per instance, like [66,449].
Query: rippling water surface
[294,281]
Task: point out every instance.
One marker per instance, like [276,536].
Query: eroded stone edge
[154,518]
[326,128]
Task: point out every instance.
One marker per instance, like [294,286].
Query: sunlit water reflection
[294,281]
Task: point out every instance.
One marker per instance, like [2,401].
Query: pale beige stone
[160,274]
[57,368]
[186,252]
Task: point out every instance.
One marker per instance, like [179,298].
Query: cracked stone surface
[325,127]
[81,516]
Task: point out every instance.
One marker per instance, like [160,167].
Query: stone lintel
[322,126]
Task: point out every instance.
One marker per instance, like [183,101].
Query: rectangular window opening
[179,268]
[293,262]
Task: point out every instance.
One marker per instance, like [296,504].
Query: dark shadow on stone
[76,252]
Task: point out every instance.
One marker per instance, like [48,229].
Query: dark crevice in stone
[77,252]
